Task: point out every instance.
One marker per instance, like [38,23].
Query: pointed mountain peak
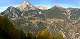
[25,5]
[26,2]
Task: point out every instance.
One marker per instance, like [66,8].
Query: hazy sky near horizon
[49,3]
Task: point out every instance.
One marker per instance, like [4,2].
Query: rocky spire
[26,2]
[25,5]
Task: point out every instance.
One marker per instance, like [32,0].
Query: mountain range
[30,18]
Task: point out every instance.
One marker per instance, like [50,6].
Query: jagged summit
[26,5]
[26,2]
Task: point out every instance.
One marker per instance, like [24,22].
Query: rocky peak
[25,6]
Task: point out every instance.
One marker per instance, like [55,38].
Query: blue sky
[49,3]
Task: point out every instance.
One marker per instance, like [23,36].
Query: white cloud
[3,8]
